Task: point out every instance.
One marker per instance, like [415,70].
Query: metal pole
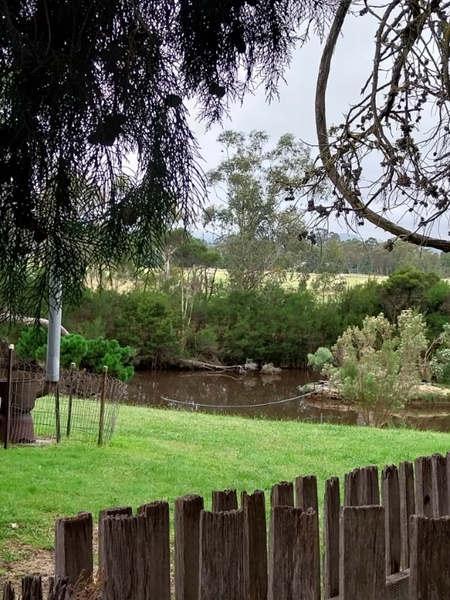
[54,345]
[102,406]
[8,395]
[69,412]
[54,331]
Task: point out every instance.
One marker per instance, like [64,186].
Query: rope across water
[196,405]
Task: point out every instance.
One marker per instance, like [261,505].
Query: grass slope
[162,454]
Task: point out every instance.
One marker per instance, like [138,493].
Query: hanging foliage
[87,84]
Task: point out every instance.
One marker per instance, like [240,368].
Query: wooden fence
[389,539]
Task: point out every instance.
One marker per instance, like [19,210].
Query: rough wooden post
[109,512]
[32,587]
[8,591]
[351,488]
[439,485]
[331,509]
[73,547]
[294,561]
[391,503]
[362,554]
[447,463]
[282,494]
[120,566]
[221,555]
[157,555]
[430,549]
[7,400]
[306,493]
[306,499]
[101,421]
[369,492]
[407,507]
[187,546]
[224,500]
[255,545]
[361,487]
[424,486]
[61,589]
[70,401]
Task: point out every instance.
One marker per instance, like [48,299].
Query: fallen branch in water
[197,364]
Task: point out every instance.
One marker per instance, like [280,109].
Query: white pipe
[54,331]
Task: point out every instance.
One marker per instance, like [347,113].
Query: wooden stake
[8,396]
[69,412]
[101,424]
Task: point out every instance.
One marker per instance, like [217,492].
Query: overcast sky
[294,112]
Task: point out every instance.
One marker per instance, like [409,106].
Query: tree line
[179,318]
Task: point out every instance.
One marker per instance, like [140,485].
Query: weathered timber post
[156,571]
[255,545]
[361,487]
[7,400]
[121,577]
[294,561]
[282,494]
[439,486]
[424,486]
[391,503]
[69,410]
[221,555]
[331,510]
[73,547]
[362,554]
[369,493]
[8,591]
[430,548]
[351,488]
[306,493]
[60,589]
[101,421]
[407,507]
[224,500]
[306,499]
[108,512]
[187,546]
[32,587]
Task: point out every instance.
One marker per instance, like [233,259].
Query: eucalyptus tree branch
[414,172]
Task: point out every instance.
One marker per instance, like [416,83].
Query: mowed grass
[162,454]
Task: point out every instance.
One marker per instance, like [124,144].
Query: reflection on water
[255,395]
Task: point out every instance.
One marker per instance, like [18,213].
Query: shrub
[89,354]
[379,364]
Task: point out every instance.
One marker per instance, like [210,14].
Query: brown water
[256,395]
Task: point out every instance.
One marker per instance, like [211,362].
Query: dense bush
[89,354]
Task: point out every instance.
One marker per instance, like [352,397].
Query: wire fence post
[57,413]
[69,410]
[102,406]
[8,396]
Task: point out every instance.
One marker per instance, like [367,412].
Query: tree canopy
[84,84]
[260,232]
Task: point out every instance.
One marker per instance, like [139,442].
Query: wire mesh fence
[82,405]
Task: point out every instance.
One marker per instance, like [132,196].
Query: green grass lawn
[163,454]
